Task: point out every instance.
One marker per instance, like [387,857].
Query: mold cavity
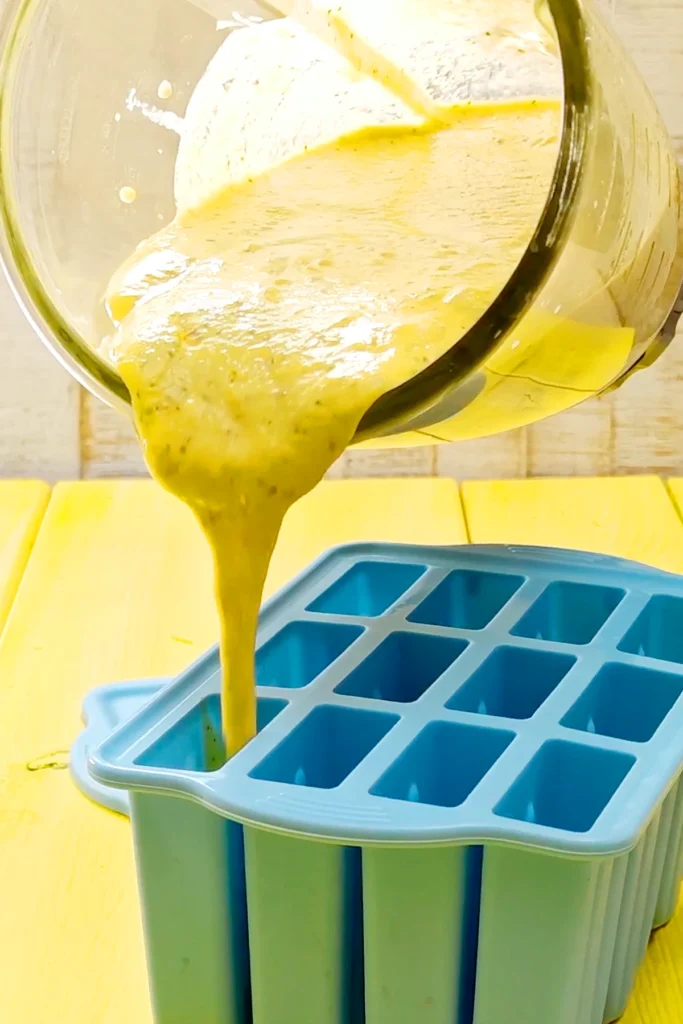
[443,765]
[512,683]
[403,667]
[626,702]
[325,748]
[369,588]
[569,613]
[467,600]
[195,743]
[296,655]
[566,786]
[658,630]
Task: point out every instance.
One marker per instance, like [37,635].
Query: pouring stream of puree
[257,328]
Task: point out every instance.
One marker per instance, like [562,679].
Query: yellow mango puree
[256,330]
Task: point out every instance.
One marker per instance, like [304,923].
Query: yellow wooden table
[111,580]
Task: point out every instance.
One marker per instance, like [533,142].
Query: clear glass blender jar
[595,296]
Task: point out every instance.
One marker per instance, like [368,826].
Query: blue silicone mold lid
[417,695]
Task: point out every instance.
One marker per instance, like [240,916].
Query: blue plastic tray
[514,711]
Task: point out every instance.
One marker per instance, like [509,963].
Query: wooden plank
[336,472]
[501,456]
[119,585]
[22,506]
[578,442]
[109,444]
[648,417]
[629,517]
[653,33]
[632,517]
[38,402]
[339,512]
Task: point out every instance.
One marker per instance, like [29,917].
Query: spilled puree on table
[257,328]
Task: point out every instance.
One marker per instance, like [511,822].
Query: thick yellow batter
[257,329]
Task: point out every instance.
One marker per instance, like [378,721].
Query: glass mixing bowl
[594,296]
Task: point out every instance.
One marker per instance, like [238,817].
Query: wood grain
[38,403]
[632,517]
[653,33]
[47,429]
[132,571]
[22,506]
[648,417]
[109,445]
[390,462]
[503,456]
[575,443]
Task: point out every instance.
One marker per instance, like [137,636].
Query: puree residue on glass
[257,328]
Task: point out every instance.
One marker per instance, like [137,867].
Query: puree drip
[256,330]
